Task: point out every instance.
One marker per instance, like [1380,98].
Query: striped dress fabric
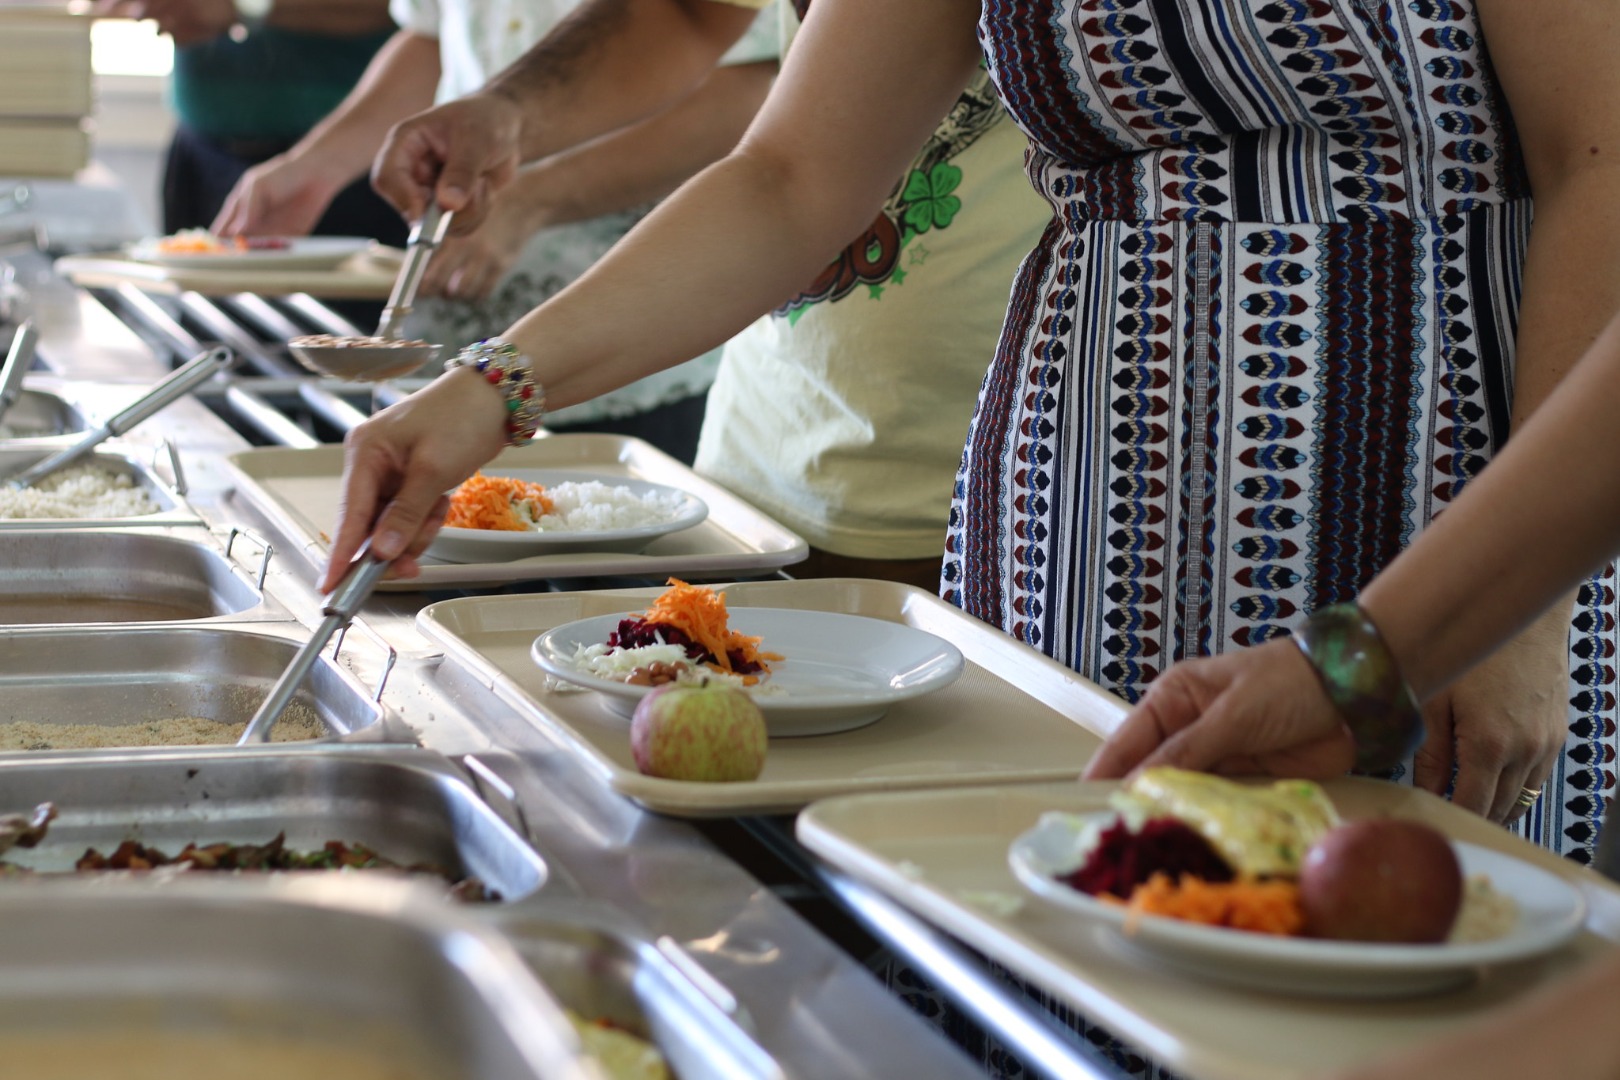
[1267,336]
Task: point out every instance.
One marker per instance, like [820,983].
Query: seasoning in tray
[684,637]
[19,830]
[1274,859]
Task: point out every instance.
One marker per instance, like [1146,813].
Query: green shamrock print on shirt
[928,201]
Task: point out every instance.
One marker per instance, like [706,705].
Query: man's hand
[469,267]
[284,196]
[460,153]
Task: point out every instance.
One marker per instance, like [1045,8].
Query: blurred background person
[250,79]
[555,219]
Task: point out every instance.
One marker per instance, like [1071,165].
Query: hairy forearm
[1539,518]
[646,161]
[400,80]
[592,75]
[340,18]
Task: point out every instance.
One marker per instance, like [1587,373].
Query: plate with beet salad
[810,672]
[1264,886]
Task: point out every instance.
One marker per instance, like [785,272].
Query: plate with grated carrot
[199,247]
[810,672]
[513,514]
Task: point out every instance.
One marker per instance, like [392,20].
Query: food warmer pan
[652,989]
[408,804]
[75,675]
[109,576]
[375,967]
[170,498]
[41,414]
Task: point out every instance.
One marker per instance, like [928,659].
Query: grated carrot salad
[198,242]
[1268,906]
[490,502]
[700,614]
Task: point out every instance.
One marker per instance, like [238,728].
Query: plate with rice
[518,513]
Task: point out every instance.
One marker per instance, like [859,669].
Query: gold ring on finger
[1527,797]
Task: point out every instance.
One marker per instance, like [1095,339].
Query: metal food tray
[104,576]
[944,855]
[297,490]
[170,498]
[40,414]
[122,676]
[408,804]
[652,989]
[374,964]
[1014,715]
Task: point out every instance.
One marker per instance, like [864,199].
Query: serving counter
[774,948]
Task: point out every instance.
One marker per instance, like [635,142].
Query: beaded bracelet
[512,375]
[1364,683]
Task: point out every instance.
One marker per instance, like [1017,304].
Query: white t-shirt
[477,39]
[843,413]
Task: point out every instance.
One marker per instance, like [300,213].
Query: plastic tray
[1014,715]
[944,855]
[298,491]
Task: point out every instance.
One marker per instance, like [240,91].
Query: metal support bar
[151,313]
[264,315]
[228,330]
[330,407]
[1041,1043]
[269,420]
[329,321]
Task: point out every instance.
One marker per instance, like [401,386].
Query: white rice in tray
[81,491]
[593,506]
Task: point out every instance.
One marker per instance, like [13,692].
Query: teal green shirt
[273,85]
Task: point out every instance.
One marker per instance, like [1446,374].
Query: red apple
[709,731]
[1381,880]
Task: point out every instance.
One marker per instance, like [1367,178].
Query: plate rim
[143,250]
[1178,938]
[768,704]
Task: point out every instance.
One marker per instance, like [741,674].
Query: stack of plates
[44,89]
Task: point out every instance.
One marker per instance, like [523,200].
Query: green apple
[707,731]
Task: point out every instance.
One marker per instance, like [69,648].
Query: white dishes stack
[44,89]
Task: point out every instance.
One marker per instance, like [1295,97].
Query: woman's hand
[188,22]
[398,465]
[469,267]
[1502,725]
[1259,710]
[284,196]
[459,153]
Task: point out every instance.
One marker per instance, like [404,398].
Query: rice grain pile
[593,506]
[83,491]
[299,723]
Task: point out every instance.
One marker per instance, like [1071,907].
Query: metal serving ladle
[374,363]
[18,361]
[196,371]
[340,610]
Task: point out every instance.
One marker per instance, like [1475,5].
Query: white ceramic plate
[493,545]
[839,671]
[1550,914]
[301,253]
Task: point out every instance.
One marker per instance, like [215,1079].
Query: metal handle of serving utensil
[425,239]
[340,609]
[18,361]
[193,374]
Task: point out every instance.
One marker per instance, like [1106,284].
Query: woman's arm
[623,171]
[864,85]
[288,194]
[1537,520]
[1504,724]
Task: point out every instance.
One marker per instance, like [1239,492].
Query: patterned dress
[1267,336]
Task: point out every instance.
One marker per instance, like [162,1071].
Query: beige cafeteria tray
[366,276]
[298,491]
[1014,715]
[943,853]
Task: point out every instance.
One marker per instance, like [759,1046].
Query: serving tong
[196,371]
[339,611]
[374,363]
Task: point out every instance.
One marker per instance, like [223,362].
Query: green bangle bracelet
[1364,683]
